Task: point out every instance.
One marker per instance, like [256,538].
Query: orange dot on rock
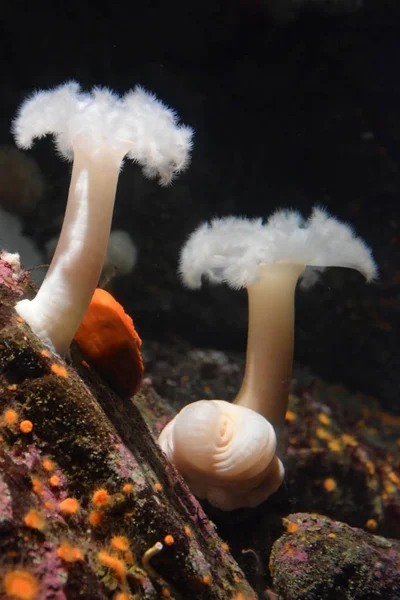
[35,520]
[188,531]
[120,542]
[48,465]
[169,540]
[225,546]
[330,484]
[324,419]
[26,426]
[59,370]
[68,553]
[54,481]
[127,488]
[21,585]
[290,415]
[292,527]
[69,506]
[10,417]
[95,518]
[37,486]
[101,497]
[112,562]
[371,524]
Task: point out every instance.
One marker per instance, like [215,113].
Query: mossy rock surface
[79,437]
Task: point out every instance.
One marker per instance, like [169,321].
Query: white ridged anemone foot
[225,452]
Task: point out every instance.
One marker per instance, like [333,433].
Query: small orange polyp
[292,527]
[169,540]
[69,506]
[371,524]
[111,344]
[21,585]
[95,518]
[127,488]
[10,417]
[113,563]
[35,520]
[69,553]
[48,464]
[225,547]
[120,542]
[329,484]
[101,497]
[26,426]
[290,416]
[59,370]
[37,486]
[189,533]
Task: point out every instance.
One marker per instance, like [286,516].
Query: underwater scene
[200,300]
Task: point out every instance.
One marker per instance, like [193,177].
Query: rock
[318,558]
[81,472]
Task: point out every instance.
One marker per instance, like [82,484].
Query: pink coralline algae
[6,513]
[8,277]
[318,558]
[82,476]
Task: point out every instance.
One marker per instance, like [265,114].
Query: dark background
[294,103]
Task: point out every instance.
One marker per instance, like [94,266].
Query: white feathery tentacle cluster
[137,125]
[231,249]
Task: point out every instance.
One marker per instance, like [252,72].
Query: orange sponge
[111,344]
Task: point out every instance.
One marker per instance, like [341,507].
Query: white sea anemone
[97,130]
[268,259]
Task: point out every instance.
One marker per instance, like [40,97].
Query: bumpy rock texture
[317,559]
[85,491]
[65,436]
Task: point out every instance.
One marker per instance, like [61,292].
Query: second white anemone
[268,259]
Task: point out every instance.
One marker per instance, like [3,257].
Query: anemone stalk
[270,342]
